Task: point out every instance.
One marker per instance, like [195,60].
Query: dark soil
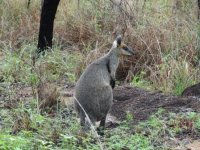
[141,103]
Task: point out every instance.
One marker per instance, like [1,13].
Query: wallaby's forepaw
[112,83]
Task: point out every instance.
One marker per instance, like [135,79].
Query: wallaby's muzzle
[127,51]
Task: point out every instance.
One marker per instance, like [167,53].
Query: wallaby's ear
[119,40]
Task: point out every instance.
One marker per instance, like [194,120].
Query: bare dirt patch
[141,103]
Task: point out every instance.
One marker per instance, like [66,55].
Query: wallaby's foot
[100,131]
[111,124]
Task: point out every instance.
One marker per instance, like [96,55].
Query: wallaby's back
[93,90]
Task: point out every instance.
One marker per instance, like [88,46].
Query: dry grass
[18,23]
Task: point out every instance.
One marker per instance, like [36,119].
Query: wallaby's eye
[124,47]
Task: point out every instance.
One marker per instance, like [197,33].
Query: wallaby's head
[121,48]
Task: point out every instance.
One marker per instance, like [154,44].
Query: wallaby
[94,87]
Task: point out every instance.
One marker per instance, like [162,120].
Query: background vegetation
[165,34]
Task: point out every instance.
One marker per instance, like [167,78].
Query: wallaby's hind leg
[90,122]
[103,122]
[101,127]
[86,125]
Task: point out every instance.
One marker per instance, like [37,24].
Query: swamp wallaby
[94,87]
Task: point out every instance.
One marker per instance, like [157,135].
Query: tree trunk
[48,13]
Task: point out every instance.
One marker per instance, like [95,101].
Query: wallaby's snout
[127,51]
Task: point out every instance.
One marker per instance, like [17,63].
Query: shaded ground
[143,103]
